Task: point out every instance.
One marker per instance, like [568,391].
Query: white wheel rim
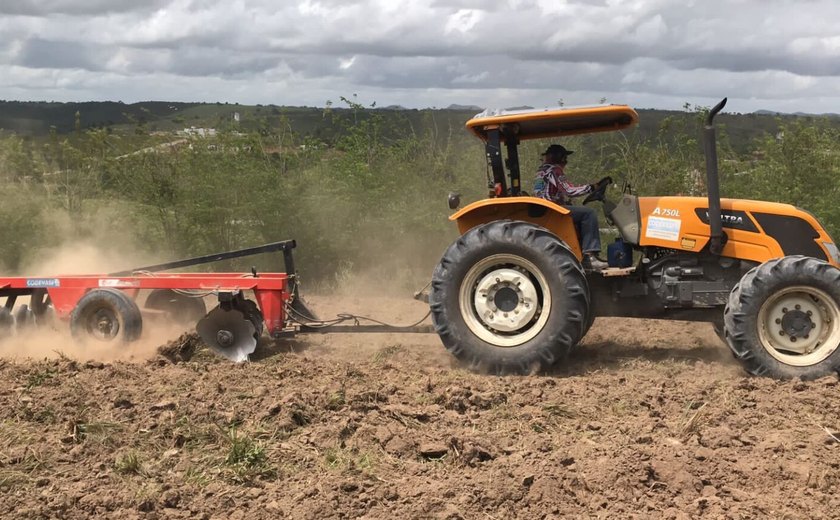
[799,326]
[505,300]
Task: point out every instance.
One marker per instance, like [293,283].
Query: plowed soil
[646,420]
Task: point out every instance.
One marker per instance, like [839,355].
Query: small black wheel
[39,302]
[179,308]
[24,318]
[7,322]
[509,297]
[783,318]
[106,315]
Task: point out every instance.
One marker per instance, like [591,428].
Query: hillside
[35,119]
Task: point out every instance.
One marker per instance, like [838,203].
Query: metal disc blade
[228,333]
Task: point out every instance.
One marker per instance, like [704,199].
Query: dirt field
[647,420]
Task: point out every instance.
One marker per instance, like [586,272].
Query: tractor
[511,295]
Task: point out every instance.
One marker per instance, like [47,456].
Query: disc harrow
[104,307]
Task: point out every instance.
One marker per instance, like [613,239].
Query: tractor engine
[696,281]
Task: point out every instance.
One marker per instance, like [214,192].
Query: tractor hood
[553,122]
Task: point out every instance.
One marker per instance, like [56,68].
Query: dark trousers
[586,222]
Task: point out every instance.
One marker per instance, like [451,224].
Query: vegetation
[360,189]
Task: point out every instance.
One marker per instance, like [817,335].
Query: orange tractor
[510,295]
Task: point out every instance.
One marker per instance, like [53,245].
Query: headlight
[833,251]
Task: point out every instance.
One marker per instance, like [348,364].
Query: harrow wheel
[7,322]
[509,297]
[24,318]
[783,318]
[107,315]
[39,302]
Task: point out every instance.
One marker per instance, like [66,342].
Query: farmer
[551,184]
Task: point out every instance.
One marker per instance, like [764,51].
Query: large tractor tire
[783,319]
[509,297]
[107,315]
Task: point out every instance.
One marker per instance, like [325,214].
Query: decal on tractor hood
[666,212]
[663,228]
[729,219]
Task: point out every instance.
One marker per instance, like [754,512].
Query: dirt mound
[647,419]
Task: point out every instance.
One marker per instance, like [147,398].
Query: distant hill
[465,108]
[797,114]
[36,119]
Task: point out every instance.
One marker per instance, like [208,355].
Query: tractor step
[610,272]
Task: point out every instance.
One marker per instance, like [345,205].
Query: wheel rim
[799,325]
[505,300]
[102,324]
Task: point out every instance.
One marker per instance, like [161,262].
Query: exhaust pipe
[716,238]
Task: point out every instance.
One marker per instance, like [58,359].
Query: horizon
[451,106]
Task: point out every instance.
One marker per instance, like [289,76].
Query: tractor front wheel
[509,297]
[783,318]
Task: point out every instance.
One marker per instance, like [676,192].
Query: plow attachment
[228,333]
[105,307]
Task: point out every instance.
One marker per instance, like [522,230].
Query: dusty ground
[647,420]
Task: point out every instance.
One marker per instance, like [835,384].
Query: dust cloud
[85,258]
[51,338]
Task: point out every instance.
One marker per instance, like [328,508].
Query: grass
[129,464]
[101,432]
[19,471]
[196,476]
[337,399]
[344,459]
[40,376]
[692,420]
[27,411]
[559,411]
[246,459]
[387,352]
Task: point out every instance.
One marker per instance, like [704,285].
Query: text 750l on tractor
[510,295]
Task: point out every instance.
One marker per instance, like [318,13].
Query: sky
[763,54]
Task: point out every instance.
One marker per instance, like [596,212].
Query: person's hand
[603,183]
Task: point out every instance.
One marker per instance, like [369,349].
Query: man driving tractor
[551,184]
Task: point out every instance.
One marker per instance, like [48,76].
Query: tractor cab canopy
[509,127]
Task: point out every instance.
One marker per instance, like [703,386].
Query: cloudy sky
[764,54]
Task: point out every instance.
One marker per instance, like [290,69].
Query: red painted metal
[271,290]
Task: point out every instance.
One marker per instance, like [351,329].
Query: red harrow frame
[104,306]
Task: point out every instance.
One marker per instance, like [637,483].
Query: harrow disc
[230,333]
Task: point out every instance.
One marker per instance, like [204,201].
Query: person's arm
[572,190]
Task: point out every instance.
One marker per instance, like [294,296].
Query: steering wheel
[599,190]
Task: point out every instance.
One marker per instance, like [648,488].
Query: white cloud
[425,52]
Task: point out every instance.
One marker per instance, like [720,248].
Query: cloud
[76,7]
[767,53]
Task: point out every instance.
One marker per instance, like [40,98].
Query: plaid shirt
[552,184]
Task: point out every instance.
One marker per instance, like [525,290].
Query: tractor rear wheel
[509,297]
[783,318]
[106,315]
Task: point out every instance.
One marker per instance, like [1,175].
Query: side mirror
[454,200]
